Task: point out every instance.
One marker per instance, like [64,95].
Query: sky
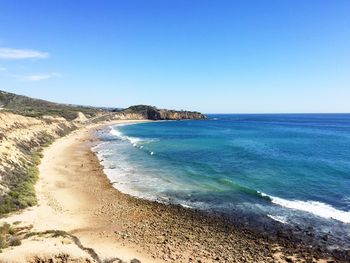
[262,56]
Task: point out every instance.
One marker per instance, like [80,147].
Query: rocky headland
[140,112]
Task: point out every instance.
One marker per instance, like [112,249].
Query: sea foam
[313,207]
[119,134]
[135,141]
[280,219]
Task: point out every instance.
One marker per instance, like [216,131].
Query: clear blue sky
[212,56]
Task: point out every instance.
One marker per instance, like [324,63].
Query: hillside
[28,124]
[21,140]
[31,107]
[27,106]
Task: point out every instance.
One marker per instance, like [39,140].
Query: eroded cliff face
[128,116]
[180,115]
[141,112]
[21,139]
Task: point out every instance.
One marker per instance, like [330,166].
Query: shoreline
[294,239]
[76,196]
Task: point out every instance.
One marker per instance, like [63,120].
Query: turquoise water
[291,169]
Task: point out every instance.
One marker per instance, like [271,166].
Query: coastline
[76,196]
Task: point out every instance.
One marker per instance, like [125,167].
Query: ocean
[290,169]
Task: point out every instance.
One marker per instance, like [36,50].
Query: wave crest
[119,134]
[313,207]
[135,141]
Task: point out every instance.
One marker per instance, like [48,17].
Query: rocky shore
[177,234]
[76,198]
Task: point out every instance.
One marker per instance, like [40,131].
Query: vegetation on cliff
[37,108]
[22,140]
[31,107]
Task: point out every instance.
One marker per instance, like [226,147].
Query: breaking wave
[120,135]
[317,208]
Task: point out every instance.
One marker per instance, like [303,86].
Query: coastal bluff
[28,124]
[140,112]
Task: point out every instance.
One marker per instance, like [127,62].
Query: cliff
[38,108]
[21,140]
[28,124]
[153,113]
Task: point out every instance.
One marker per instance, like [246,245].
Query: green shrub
[22,193]
[8,236]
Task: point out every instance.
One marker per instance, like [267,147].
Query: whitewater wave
[313,207]
[133,140]
[280,219]
[97,146]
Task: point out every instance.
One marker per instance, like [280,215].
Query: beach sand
[75,196]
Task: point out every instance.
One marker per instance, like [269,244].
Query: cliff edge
[153,113]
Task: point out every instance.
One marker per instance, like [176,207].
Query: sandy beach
[75,196]
[174,131]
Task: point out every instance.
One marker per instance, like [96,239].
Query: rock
[135,261]
[153,113]
[325,237]
[289,259]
